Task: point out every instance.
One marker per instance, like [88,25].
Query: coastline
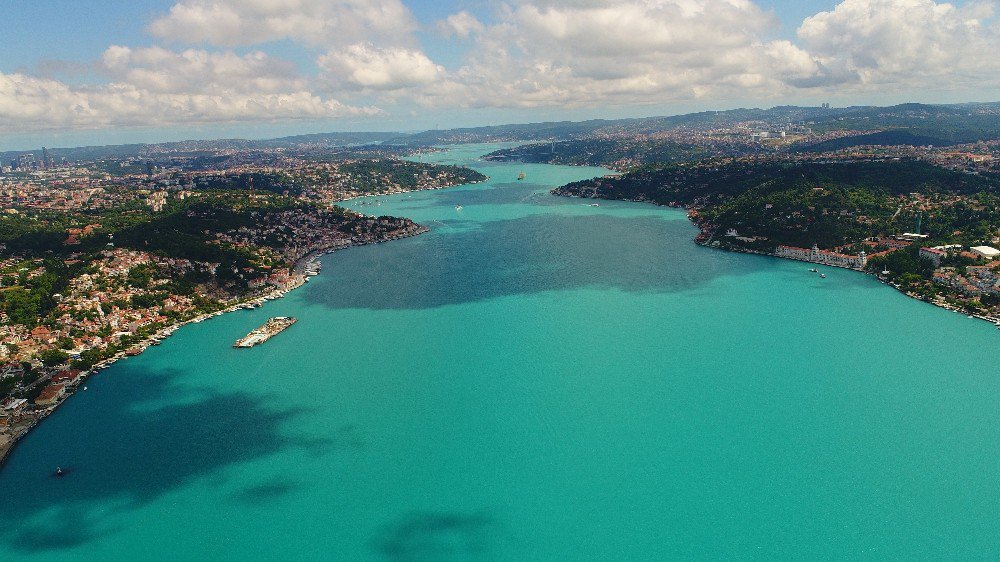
[386,193]
[704,238]
[304,268]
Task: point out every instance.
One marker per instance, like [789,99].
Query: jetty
[270,328]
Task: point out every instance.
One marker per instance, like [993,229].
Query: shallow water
[533,379]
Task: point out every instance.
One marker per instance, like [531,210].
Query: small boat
[59,472]
[458,207]
[822,275]
[595,204]
[812,270]
[85,389]
[520,176]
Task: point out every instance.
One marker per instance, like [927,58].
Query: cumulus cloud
[194,70]
[364,66]
[461,24]
[35,104]
[528,54]
[594,52]
[906,42]
[313,22]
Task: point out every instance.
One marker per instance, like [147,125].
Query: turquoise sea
[534,379]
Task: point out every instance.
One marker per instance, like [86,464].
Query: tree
[53,357]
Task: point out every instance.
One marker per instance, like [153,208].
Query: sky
[78,72]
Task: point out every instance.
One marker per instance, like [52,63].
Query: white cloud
[365,66]
[313,22]
[35,104]
[906,43]
[461,24]
[198,71]
[594,52]
[529,54]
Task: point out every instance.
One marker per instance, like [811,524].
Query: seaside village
[124,302]
[100,310]
[978,280]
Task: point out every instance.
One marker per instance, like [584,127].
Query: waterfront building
[825,257]
[13,406]
[67,377]
[50,395]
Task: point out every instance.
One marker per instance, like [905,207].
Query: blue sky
[89,71]
[80,30]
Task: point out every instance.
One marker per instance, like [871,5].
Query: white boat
[823,275]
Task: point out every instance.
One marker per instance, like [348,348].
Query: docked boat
[271,328]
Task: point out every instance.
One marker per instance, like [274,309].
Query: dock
[270,329]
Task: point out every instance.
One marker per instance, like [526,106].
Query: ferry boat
[271,328]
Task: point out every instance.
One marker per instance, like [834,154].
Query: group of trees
[29,303]
[801,203]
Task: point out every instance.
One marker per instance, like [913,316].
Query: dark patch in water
[440,536]
[264,493]
[128,450]
[522,256]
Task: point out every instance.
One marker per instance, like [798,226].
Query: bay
[534,379]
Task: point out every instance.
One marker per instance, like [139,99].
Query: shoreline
[304,269]
[400,192]
[704,238]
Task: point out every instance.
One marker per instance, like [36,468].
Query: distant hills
[195,147]
[912,123]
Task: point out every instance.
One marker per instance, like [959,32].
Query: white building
[826,257]
[935,255]
[985,251]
